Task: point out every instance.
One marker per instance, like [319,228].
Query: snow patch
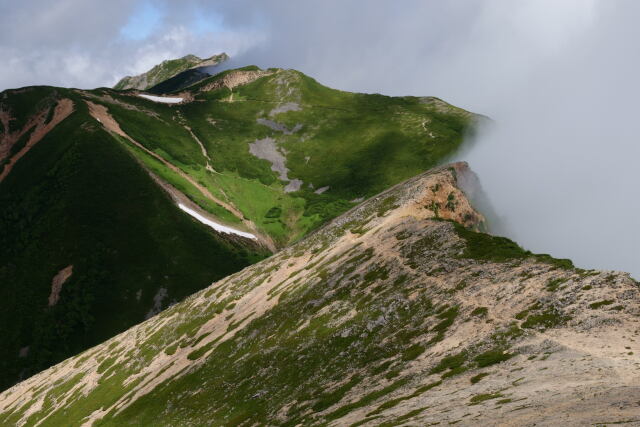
[165,99]
[218,227]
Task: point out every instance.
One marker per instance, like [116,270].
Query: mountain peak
[168,69]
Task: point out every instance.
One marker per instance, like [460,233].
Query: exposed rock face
[393,312]
[267,149]
[166,70]
[235,78]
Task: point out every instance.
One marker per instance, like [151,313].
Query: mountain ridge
[388,314]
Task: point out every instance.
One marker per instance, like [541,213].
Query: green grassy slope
[354,144]
[79,198]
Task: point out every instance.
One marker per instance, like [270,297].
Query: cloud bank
[558,77]
[92,43]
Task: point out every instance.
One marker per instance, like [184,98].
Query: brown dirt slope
[38,127]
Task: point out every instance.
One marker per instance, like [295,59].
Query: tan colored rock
[63,108]
[56,284]
[235,78]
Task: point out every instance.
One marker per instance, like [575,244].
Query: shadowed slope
[79,200]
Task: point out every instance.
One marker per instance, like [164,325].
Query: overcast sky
[559,78]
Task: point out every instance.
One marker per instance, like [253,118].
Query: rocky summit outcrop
[168,69]
[394,313]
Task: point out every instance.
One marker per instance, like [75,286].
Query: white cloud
[80,43]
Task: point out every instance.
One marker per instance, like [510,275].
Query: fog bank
[558,78]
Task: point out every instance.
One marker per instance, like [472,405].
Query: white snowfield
[165,99]
[215,225]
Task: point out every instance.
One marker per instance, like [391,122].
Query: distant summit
[168,69]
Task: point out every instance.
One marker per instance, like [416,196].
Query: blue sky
[146,19]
